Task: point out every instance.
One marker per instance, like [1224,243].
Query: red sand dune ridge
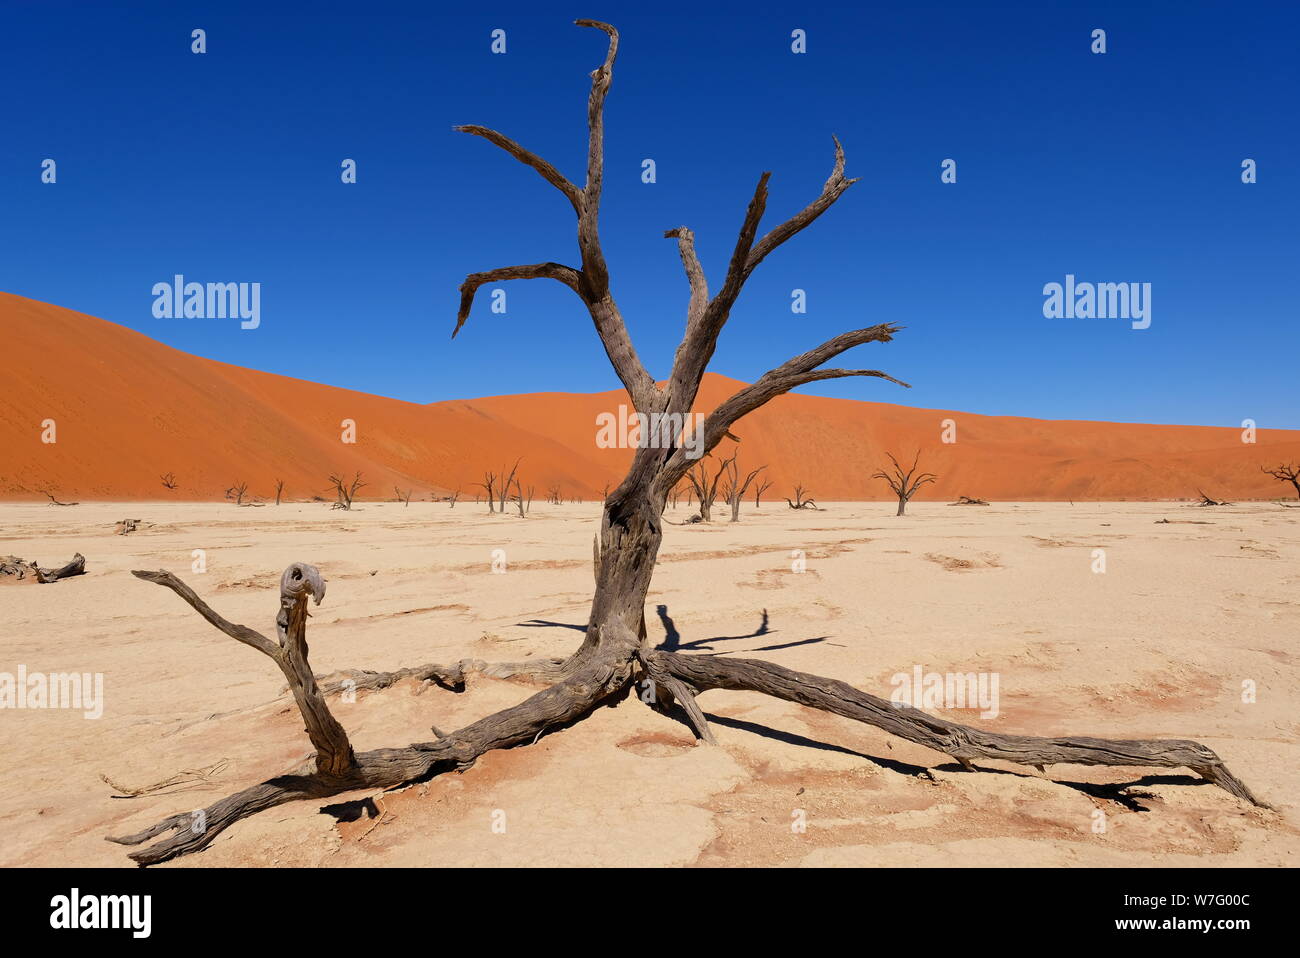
[129,409]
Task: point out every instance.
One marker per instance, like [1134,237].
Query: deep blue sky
[1115,167]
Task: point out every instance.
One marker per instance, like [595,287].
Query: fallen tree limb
[962,742]
[450,677]
[21,570]
[335,767]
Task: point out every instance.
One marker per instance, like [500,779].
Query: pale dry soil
[1157,645]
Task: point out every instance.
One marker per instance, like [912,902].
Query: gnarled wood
[962,742]
[336,768]
[19,570]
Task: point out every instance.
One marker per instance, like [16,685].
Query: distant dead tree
[734,492]
[760,487]
[554,496]
[968,501]
[56,502]
[404,498]
[168,480]
[236,492]
[453,497]
[523,500]
[14,569]
[488,485]
[1286,472]
[706,489]
[1210,500]
[904,482]
[677,492]
[345,490]
[503,492]
[615,652]
[801,499]
[279,490]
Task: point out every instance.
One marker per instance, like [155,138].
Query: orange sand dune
[128,409]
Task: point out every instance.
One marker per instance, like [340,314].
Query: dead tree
[345,490]
[55,502]
[236,492]
[1286,472]
[706,489]
[616,651]
[1210,500]
[904,482]
[488,485]
[404,498]
[168,480]
[801,500]
[524,502]
[968,501]
[504,492]
[279,490]
[736,487]
[15,569]
[453,497]
[760,487]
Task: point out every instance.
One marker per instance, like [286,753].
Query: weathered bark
[335,768]
[962,742]
[20,570]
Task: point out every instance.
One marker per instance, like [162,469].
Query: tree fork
[335,767]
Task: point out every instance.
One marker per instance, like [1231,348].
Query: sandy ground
[1158,645]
